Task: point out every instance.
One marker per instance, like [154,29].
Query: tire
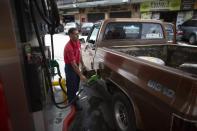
[123,113]
[192,39]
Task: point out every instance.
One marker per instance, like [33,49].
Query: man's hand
[83,68]
[76,69]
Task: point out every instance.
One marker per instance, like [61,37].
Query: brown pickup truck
[153,84]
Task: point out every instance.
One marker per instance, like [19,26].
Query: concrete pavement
[96,114]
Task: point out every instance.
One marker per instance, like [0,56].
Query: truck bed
[174,56]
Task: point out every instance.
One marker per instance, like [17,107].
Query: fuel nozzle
[93,79]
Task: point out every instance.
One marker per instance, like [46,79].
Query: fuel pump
[51,18]
[52,22]
[24,59]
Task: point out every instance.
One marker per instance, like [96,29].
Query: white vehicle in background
[86,28]
[70,25]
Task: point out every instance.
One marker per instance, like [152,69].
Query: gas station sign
[187,4]
[158,5]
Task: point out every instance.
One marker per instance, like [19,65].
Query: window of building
[93,17]
[120,14]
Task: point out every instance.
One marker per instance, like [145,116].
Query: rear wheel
[123,113]
[192,39]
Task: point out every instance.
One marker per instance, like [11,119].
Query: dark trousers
[72,82]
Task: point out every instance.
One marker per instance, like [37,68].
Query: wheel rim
[192,39]
[121,115]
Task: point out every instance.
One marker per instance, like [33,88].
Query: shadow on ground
[96,112]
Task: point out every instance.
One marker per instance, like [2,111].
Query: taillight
[179,32]
[181,124]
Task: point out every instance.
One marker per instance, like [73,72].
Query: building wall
[148,9]
[112,6]
[175,11]
[107,10]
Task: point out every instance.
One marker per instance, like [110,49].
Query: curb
[67,121]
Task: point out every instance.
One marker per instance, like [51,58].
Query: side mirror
[91,41]
[82,40]
[86,47]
